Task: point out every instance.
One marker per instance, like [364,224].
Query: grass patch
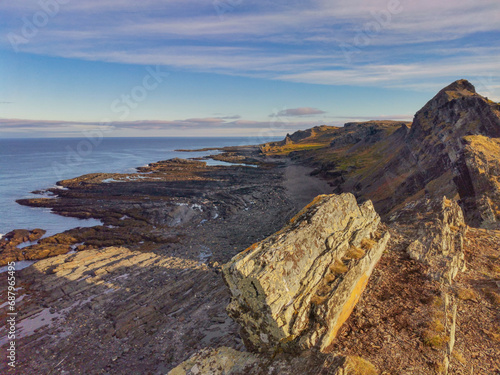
[466,294]
[436,325]
[285,150]
[355,253]
[360,366]
[338,267]
[493,335]
[459,357]
[492,296]
[367,244]
[434,340]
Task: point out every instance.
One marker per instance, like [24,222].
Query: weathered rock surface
[366,132]
[297,287]
[439,229]
[128,311]
[227,361]
[222,360]
[8,244]
[482,159]
[450,149]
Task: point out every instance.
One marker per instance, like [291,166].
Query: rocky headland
[370,249]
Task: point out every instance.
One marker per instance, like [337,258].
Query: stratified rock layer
[297,287]
[439,230]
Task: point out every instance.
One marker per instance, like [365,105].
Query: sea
[31,164]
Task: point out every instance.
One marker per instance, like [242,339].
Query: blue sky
[234,67]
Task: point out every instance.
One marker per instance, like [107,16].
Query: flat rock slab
[295,289]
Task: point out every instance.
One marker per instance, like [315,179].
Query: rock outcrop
[135,309]
[9,250]
[228,361]
[295,289]
[481,161]
[439,229]
[366,132]
[450,149]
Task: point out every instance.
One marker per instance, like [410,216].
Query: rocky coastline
[368,249]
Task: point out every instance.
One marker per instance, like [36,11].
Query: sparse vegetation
[459,357]
[492,296]
[466,294]
[360,366]
[355,253]
[338,267]
[367,244]
[434,340]
[438,367]
[437,301]
[436,325]
[318,300]
[494,335]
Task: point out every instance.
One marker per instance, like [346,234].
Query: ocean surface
[33,164]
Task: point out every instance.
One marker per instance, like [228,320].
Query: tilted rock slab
[228,361]
[440,232]
[295,289]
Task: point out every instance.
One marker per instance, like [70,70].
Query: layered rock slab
[296,288]
[439,229]
[228,361]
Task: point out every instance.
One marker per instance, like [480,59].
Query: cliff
[450,149]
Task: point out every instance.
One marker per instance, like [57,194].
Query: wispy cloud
[302,111]
[292,41]
[209,123]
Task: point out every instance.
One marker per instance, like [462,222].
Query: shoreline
[211,214]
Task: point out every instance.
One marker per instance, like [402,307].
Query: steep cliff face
[451,149]
[437,141]
[481,163]
[297,287]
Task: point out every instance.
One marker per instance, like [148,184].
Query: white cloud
[294,41]
[302,111]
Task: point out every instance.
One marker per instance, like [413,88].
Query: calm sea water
[32,164]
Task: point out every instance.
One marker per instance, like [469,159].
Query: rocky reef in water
[370,249]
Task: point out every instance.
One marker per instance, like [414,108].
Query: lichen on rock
[294,289]
[439,230]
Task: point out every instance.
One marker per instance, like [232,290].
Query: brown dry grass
[355,253]
[338,268]
[434,340]
[367,244]
[459,357]
[359,366]
[492,296]
[466,294]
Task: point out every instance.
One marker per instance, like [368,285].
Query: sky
[126,68]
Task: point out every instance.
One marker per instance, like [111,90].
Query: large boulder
[295,289]
[439,229]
